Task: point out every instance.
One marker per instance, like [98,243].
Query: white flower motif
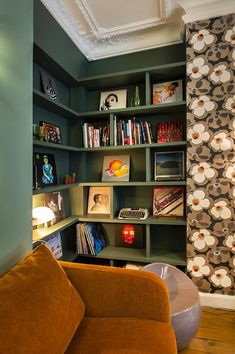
[230,35]
[197,200]
[197,68]
[220,142]
[220,210]
[197,134]
[202,238]
[197,267]
[230,242]
[230,172]
[201,105]
[202,171]
[230,104]
[220,74]
[201,40]
[220,278]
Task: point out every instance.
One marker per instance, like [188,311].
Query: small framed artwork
[167,92]
[54,201]
[45,170]
[169,165]
[52,133]
[113,100]
[49,85]
[99,200]
[128,235]
[53,242]
[116,168]
[168,201]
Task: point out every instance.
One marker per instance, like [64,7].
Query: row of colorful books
[95,137]
[131,132]
[90,238]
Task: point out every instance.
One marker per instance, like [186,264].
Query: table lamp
[42,215]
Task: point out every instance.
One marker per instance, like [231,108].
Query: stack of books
[131,132]
[90,238]
[95,137]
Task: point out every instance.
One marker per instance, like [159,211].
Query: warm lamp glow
[42,215]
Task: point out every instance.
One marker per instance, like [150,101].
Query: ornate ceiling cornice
[96,42]
[196,10]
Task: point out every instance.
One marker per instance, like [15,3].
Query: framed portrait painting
[99,200]
[113,100]
[54,201]
[45,170]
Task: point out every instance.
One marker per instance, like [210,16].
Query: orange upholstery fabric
[118,292]
[122,336]
[39,308]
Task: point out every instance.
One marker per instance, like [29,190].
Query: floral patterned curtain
[211,154]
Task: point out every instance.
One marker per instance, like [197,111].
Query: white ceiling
[105,28]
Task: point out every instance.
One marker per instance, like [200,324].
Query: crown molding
[95,42]
[197,10]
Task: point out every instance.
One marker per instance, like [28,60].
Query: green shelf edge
[85,81]
[151,220]
[132,184]
[54,188]
[47,145]
[138,255]
[41,233]
[41,100]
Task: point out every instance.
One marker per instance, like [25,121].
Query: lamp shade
[41,215]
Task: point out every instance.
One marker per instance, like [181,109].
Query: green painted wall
[152,57]
[16,38]
[50,37]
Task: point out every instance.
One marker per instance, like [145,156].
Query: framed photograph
[169,165]
[116,168]
[45,170]
[128,235]
[52,133]
[54,201]
[49,85]
[99,200]
[166,92]
[113,100]
[168,201]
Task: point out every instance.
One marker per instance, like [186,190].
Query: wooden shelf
[41,100]
[53,146]
[172,107]
[54,188]
[132,184]
[171,71]
[138,255]
[42,232]
[151,220]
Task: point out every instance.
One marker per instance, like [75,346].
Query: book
[169,131]
[53,242]
[96,236]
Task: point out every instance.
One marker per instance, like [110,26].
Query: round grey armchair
[184,299]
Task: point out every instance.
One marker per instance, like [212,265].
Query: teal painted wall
[50,37]
[16,38]
[152,57]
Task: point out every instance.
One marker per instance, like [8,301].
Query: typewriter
[133,213]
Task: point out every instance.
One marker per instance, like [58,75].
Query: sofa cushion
[122,336]
[40,309]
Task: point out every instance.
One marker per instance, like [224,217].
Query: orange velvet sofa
[51,307]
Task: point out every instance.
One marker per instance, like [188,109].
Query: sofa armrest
[119,292]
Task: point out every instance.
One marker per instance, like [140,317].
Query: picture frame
[45,170]
[113,99]
[52,133]
[129,236]
[49,85]
[99,200]
[116,168]
[55,202]
[168,201]
[54,244]
[169,165]
[166,92]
